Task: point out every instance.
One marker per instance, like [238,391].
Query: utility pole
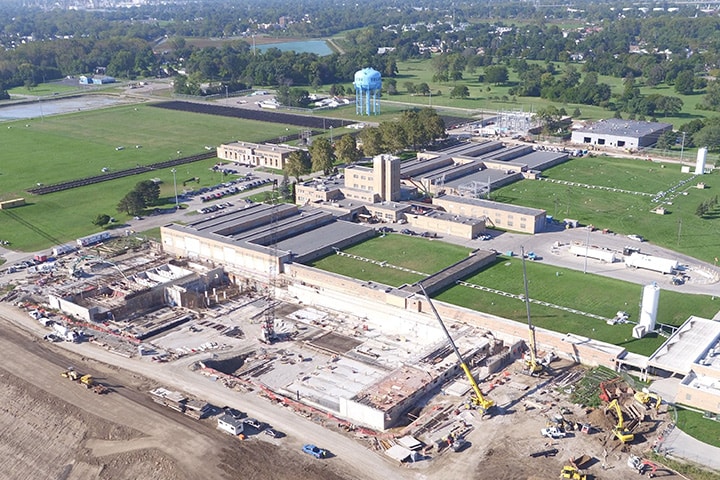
[174,171]
[587,247]
[679,231]
[682,147]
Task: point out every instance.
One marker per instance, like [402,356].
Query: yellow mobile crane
[532,366]
[479,400]
[625,436]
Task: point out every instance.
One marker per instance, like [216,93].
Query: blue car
[314,451]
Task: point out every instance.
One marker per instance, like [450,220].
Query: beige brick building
[256,155]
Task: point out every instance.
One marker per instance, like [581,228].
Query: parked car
[253,422]
[316,452]
[385,230]
[637,238]
[272,432]
[233,412]
[552,432]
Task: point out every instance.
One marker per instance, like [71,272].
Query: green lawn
[681,229]
[558,286]
[570,288]
[695,425]
[61,148]
[399,250]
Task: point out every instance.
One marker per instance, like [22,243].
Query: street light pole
[682,147]
[175,185]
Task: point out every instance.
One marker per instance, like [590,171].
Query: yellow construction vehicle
[649,399]
[479,400]
[532,366]
[573,473]
[87,380]
[71,374]
[624,435]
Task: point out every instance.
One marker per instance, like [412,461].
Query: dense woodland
[556,52]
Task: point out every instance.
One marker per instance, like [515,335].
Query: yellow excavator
[478,400]
[649,399]
[532,366]
[624,435]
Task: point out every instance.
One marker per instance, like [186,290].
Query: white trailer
[650,262]
[63,249]
[591,252]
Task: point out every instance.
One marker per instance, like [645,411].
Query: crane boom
[479,399]
[531,364]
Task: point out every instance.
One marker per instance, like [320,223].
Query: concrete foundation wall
[363,414]
[184,244]
[70,308]
[317,287]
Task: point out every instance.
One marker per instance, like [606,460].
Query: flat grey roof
[686,346]
[490,204]
[626,128]
[324,236]
[483,176]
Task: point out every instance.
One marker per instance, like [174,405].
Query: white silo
[700,163]
[648,309]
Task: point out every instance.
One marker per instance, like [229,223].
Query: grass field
[398,250]
[695,425]
[564,287]
[680,229]
[79,145]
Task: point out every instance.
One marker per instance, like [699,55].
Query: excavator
[479,400]
[624,435]
[532,366]
[649,399]
[643,467]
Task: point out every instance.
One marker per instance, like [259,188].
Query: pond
[318,47]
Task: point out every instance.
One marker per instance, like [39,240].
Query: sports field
[679,229]
[61,148]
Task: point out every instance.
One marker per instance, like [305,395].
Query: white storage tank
[700,164]
[649,306]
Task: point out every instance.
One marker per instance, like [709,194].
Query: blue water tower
[368,84]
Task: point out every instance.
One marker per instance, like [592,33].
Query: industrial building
[456,177]
[262,238]
[497,215]
[256,155]
[619,133]
[693,352]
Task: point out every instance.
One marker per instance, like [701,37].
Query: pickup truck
[552,432]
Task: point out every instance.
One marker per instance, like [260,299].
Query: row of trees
[415,129]
[144,195]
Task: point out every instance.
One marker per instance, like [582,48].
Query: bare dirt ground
[54,428]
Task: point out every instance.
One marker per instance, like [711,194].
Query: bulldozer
[572,472]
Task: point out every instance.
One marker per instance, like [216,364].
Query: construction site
[408,386]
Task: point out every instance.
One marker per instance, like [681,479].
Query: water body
[319,47]
[41,108]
